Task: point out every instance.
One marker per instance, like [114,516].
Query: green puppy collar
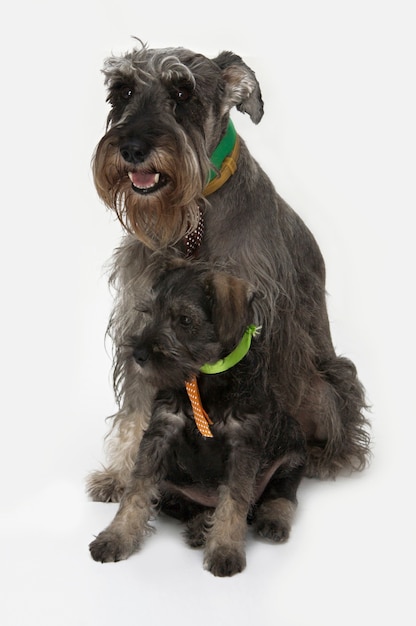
[235,356]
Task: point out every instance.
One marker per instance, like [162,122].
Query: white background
[339,141]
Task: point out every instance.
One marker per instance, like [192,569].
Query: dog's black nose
[140,355]
[134,151]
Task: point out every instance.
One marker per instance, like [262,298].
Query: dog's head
[194,316]
[169,110]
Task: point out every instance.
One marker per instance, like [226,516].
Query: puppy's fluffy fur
[251,467]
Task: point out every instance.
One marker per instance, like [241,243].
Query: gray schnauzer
[249,460]
[182,181]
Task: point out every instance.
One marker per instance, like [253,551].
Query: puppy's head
[194,316]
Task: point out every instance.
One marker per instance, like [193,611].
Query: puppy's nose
[140,355]
[134,151]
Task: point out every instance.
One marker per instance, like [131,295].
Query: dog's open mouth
[146,182]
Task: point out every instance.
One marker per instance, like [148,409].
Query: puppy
[218,450]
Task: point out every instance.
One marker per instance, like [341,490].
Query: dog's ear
[241,86]
[231,306]
[160,263]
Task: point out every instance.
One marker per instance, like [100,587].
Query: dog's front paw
[111,546]
[105,486]
[225,561]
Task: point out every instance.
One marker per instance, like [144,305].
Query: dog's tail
[342,442]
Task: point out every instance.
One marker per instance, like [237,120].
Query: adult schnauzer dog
[182,181]
[242,459]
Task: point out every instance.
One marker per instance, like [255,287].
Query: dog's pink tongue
[144,180]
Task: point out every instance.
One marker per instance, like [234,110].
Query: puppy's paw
[197,529]
[273,520]
[111,546]
[274,530]
[225,561]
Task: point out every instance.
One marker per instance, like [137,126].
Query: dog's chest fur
[195,465]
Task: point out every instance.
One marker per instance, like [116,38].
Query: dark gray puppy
[243,459]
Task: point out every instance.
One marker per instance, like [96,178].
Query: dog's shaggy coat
[169,110]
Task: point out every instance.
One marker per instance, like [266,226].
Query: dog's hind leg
[197,528]
[196,516]
[275,509]
[276,503]
[341,441]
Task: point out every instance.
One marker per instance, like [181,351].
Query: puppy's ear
[241,86]
[231,306]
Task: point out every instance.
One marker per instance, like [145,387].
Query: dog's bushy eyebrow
[172,70]
[135,66]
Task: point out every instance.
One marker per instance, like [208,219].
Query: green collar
[223,149]
[235,356]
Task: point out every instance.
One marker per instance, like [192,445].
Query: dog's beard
[161,213]
[172,364]
[168,373]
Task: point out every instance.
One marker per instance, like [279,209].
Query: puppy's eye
[185,321]
[126,92]
[182,95]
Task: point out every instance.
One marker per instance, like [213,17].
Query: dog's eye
[185,321]
[121,90]
[126,92]
[119,94]
[182,93]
